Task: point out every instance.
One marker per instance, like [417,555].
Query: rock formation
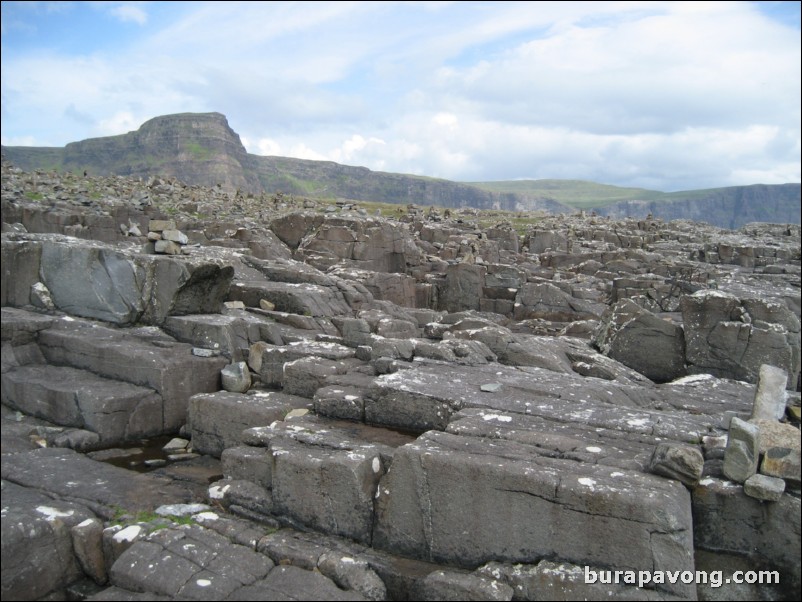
[417,407]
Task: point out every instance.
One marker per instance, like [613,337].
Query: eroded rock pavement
[423,407]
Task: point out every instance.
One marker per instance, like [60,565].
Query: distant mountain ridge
[201,148]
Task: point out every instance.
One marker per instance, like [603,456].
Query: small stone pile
[166,238]
[764,453]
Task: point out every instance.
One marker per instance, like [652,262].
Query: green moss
[151,521]
[33,196]
[197,151]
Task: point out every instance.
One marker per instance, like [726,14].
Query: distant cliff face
[329,179]
[201,148]
[725,207]
[195,148]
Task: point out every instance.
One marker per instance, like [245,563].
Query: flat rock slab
[465,501]
[230,335]
[117,411]
[558,439]
[273,359]
[294,298]
[427,397]
[99,486]
[216,420]
[193,563]
[292,583]
[145,357]
[20,326]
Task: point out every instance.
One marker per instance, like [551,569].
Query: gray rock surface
[727,520]
[498,437]
[236,378]
[683,463]
[642,341]
[730,337]
[216,420]
[519,508]
[743,450]
[762,487]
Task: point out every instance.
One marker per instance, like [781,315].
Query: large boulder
[463,287]
[642,341]
[547,302]
[114,284]
[731,337]
[370,244]
[292,228]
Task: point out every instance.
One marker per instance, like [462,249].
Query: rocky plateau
[424,404]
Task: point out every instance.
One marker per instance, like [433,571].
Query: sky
[660,95]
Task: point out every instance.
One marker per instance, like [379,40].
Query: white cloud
[128,13]
[119,123]
[659,94]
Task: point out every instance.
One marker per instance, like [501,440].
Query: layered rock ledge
[421,406]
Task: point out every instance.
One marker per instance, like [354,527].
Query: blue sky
[663,95]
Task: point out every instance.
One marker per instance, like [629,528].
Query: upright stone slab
[466,501]
[463,287]
[743,450]
[771,394]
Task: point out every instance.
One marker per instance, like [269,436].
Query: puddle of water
[137,454]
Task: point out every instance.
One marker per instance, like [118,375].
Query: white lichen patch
[203,582]
[586,482]
[499,417]
[216,492]
[692,379]
[205,516]
[130,533]
[594,450]
[376,465]
[53,513]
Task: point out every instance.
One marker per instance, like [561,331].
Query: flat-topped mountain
[202,149]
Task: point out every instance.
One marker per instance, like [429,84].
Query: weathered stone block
[642,341]
[329,488]
[247,463]
[761,487]
[465,502]
[727,520]
[303,377]
[87,542]
[743,450]
[456,586]
[236,377]
[216,420]
[679,462]
[116,411]
[157,362]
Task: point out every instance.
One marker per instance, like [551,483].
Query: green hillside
[579,194]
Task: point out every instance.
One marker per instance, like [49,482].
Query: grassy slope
[585,195]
